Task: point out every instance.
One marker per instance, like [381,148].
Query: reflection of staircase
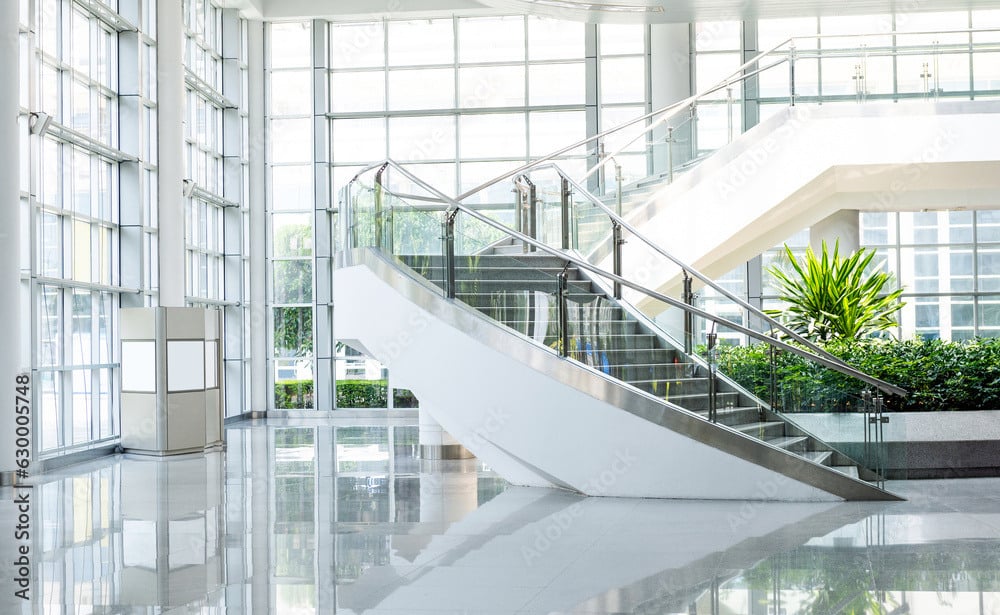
[519,289]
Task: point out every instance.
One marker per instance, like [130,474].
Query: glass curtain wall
[85,184]
[944,260]
[216,207]
[458,101]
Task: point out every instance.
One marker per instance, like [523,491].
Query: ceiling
[653,11]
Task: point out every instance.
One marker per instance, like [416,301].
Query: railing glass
[538,291]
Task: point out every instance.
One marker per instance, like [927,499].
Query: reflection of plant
[830,297]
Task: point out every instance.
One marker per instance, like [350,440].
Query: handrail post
[379,233]
[618,185]
[688,299]
[346,218]
[729,114]
[564,201]
[670,155]
[449,252]
[791,75]
[712,339]
[616,238]
[562,278]
[532,212]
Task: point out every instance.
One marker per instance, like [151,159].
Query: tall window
[76,199]
[215,201]
[290,211]
[622,93]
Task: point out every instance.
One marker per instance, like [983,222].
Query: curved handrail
[668,112]
[829,362]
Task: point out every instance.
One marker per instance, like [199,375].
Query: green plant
[936,374]
[830,297]
[298,394]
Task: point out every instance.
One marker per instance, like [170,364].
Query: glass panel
[718,35]
[615,39]
[491,86]
[552,39]
[51,434]
[292,234]
[293,281]
[408,42]
[421,89]
[550,131]
[357,45]
[291,92]
[772,32]
[291,140]
[557,84]
[81,352]
[491,39]
[362,91]
[623,80]
[493,135]
[82,403]
[290,45]
[422,138]
[358,140]
[291,187]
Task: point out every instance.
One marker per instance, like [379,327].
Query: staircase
[518,289]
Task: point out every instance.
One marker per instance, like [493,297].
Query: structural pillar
[670,81]
[844,225]
[259,399]
[11,322]
[170,151]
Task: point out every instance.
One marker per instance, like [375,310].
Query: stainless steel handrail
[832,363]
[684,266]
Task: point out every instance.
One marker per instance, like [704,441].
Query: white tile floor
[342,518]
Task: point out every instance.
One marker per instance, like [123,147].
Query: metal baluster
[563,278]
[688,298]
[565,194]
[712,340]
[616,238]
[449,252]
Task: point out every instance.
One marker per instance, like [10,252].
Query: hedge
[298,394]
[937,375]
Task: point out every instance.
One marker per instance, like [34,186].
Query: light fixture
[605,7]
[39,122]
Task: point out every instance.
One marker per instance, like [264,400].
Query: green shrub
[938,375]
[298,394]
[293,394]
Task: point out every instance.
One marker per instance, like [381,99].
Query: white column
[670,81]
[258,219]
[10,228]
[170,133]
[843,225]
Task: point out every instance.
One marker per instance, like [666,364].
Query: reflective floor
[343,518]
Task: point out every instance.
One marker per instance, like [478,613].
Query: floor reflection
[300,518]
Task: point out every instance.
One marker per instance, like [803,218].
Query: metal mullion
[106,15]
[460,111]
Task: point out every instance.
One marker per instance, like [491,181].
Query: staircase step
[794,444]
[820,457]
[851,471]
[735,416]
[762,431]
